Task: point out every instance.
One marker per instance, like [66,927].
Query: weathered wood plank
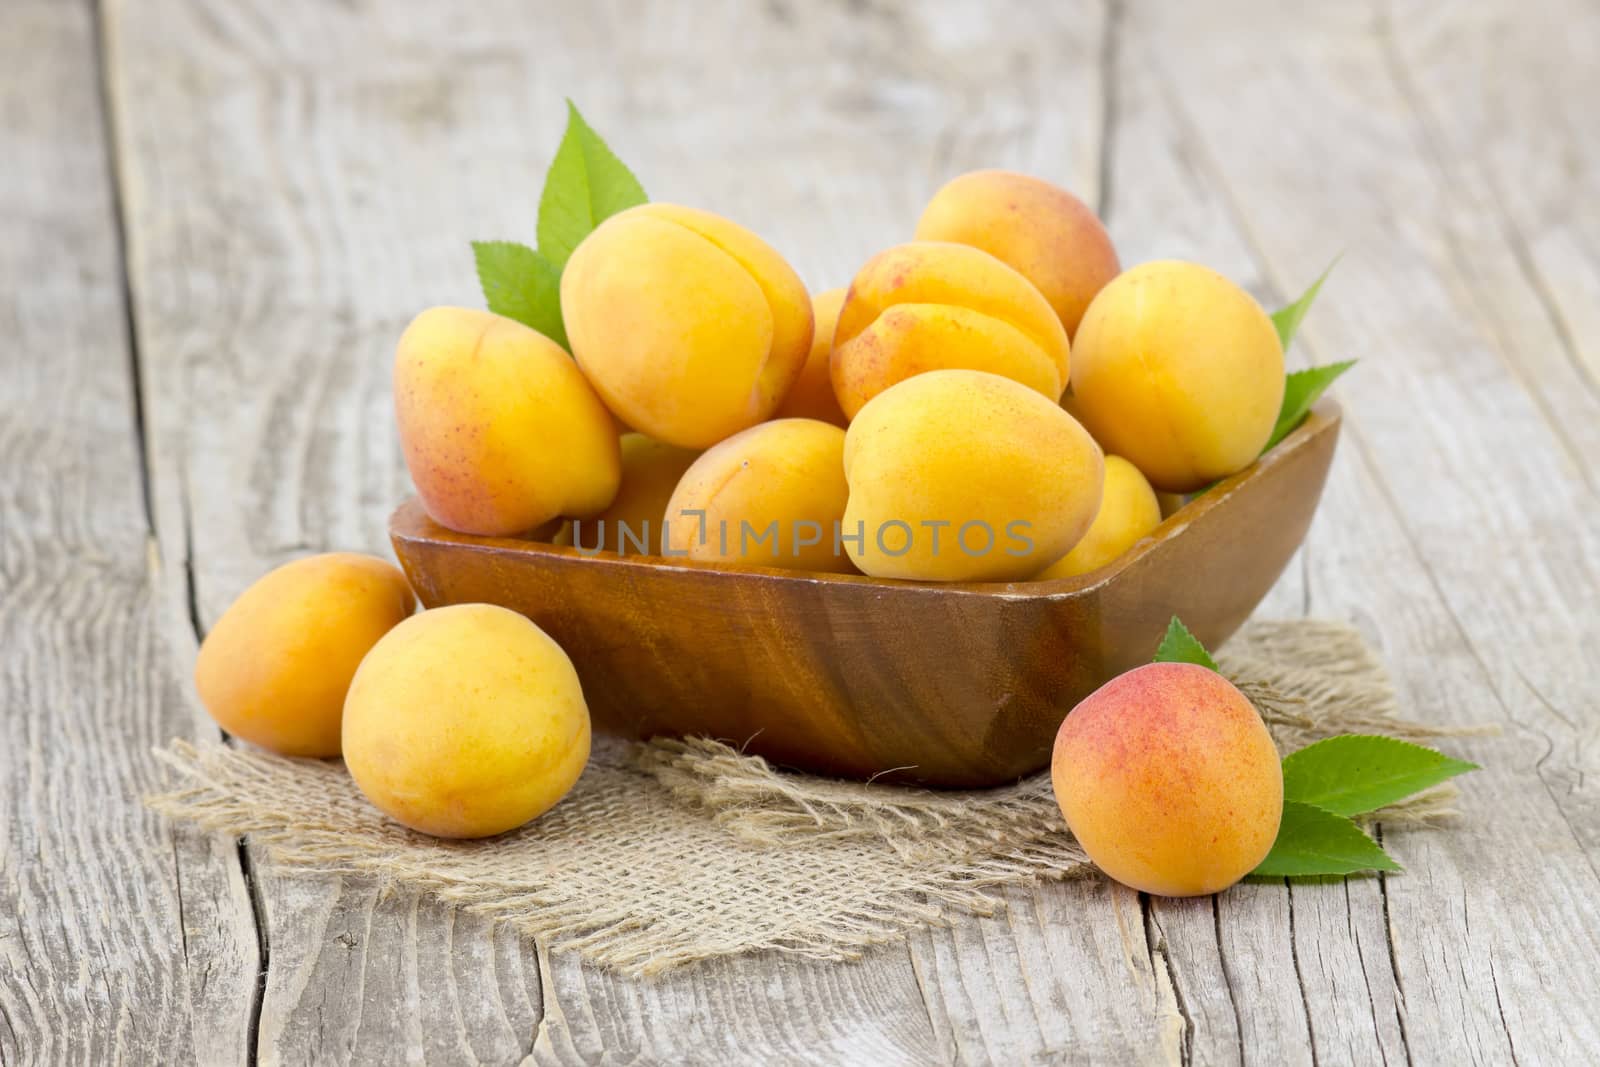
[268,305]
[1065,972]
[1522,152]
[120,939]
[762,1009]
[1435,542]
[1236,963]
[274,262]
[1498,93]
[372,979]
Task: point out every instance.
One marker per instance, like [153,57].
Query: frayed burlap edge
[675,851]
[614,904]
[1310,679]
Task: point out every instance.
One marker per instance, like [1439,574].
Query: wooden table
[217,215]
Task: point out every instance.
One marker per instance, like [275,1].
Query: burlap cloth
[670,852]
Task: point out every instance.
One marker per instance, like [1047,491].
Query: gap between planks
[113,155]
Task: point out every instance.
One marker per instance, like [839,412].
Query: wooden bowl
[942,684]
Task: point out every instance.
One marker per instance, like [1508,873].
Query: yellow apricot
[1168,502]
[771,495]
[811,396]
[961,475]
[275,667]
[1050,236]
[1128,511]
[1180,371]
[500,430]
[466,721]
[690,327]
[1169,780]
[632,524]
[931,305]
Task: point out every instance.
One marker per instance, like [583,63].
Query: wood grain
[298,179]
[121,940]
[1518,159]
[368,977]
[1453,623]
[1065,973]
[265,309]
[761,1009]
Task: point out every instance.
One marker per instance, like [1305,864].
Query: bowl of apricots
[895,529]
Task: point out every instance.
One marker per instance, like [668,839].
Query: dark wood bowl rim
[409,519]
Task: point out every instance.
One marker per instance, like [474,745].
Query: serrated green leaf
[1287,319]
[1181,646]
[1301,390]
[1356,773]
[586,185]
[1312,841]
[521,284]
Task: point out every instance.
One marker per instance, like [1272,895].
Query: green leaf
[1287,319]
[586,185]
[521,284]
[1301,390]
[1357,773]
[1181,646]
[1312,841]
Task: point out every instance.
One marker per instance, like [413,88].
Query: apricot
[811,395]
[690,327]
[771,495]
[931,305]
[500,431]
[1128,511]
[651,470]
[1180,371]
[1050,236]
[961,475]
[1169,780]
[466,721]
[275,667]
